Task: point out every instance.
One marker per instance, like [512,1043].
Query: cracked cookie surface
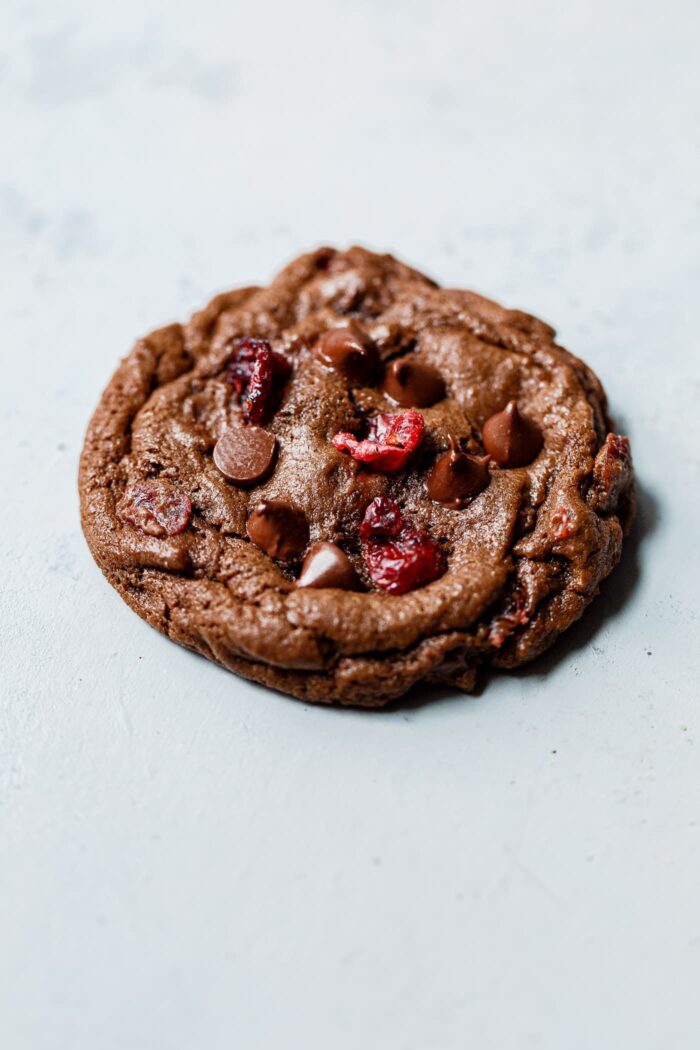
[210,548]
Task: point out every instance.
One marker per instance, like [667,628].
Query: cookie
[354,480]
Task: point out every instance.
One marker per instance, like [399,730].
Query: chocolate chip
[326,565]
[244,455]
[350,352]
[457,477]
[412,384]
[278,528]
[511,439]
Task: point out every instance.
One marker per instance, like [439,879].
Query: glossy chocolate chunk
[457,477]
[350,352]
[279,528]
[511,439]
[245,455]
[412,384]
[326,565]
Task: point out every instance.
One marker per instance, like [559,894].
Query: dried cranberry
[563,526]
[612,474]
[619,447]
[383,517]
[156,508]
[257,372]
[399,557]
[390,441]
[514,615]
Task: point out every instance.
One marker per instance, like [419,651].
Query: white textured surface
[190,861]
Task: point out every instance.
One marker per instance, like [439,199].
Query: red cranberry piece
[405,564]
[156,508]
[563,526]
[514,615]
[257,373]
[383,517]
[612,471]
[398,555]
[391,440]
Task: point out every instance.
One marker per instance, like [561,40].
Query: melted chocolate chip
[244,455]
[279,528]
[350,352]
[412,384]
[511,439]
[457,477]
[326,565]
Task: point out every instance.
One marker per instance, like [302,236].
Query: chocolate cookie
[354,480]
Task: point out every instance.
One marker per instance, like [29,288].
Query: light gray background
[187,860]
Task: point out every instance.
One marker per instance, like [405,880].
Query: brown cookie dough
[474,550]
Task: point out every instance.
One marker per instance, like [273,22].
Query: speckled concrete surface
[189,860]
